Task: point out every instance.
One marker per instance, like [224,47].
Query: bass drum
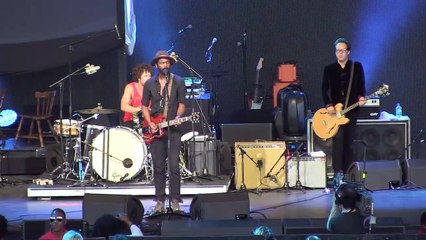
[118,154]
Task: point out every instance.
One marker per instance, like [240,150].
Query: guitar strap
[348,93]
[169,91]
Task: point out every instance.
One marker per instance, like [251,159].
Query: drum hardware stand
[243,186]
[60,83]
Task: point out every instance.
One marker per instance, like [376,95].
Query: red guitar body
[149,136]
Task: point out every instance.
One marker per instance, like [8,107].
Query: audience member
[72,235]
[108,225]
[3,227]
[265,232]
[312,237]
[422,229]
[344,217]
[58,221]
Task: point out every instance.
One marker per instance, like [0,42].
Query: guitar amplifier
[259,165]
[311,170]
[371,109]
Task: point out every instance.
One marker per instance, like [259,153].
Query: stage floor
[24,201]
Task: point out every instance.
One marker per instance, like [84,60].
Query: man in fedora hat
[164,93]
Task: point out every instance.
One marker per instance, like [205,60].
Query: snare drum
[118,154]
[67,129]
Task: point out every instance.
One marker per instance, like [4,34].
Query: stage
[299,211]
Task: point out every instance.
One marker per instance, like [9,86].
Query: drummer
[132,96]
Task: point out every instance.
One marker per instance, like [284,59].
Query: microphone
[91,69]
[174,56]
[208,55]
[184,29]
[118,32]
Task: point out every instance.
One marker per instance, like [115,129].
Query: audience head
[423,219]
[58,220]
[312,237]
[3,226]
[108,225]
[347,196]
[72,235]
[264,231]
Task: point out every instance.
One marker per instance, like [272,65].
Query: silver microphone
[184,29]
[91,69]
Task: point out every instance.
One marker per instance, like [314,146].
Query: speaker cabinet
[218,229]
[232,205]
[317,144]
[240,132]
[381,174]
[259,165]
[97,205]
[384,140]
[311,171]
[414,172]
[202,156]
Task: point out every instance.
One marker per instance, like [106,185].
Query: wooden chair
[44,113]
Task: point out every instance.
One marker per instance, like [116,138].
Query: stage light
[7,117]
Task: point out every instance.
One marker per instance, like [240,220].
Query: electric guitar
[327,125]
[149,136]
[257,101]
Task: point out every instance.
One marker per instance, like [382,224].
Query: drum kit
[114,154]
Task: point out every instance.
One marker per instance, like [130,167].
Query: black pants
[343,151]
[160,152]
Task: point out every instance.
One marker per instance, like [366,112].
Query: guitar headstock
[195,117]
[383,90]
[259,64]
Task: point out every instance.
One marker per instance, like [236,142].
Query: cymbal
[98,111]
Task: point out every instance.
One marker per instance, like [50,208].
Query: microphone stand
[60,84]
[244,49]
[243,185]
[203,116]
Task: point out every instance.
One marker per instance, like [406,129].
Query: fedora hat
[162,54]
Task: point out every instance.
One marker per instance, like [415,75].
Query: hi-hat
[98,111]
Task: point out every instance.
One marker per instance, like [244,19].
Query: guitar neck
[351,107]
[173,122]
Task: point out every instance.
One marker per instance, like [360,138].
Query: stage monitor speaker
[259,165]
[219,229]
[414,172]
[384,140]
[232,205]
[381,174]
[245,132]
[34,229]
[53,157]
[305,226]
[97,205]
